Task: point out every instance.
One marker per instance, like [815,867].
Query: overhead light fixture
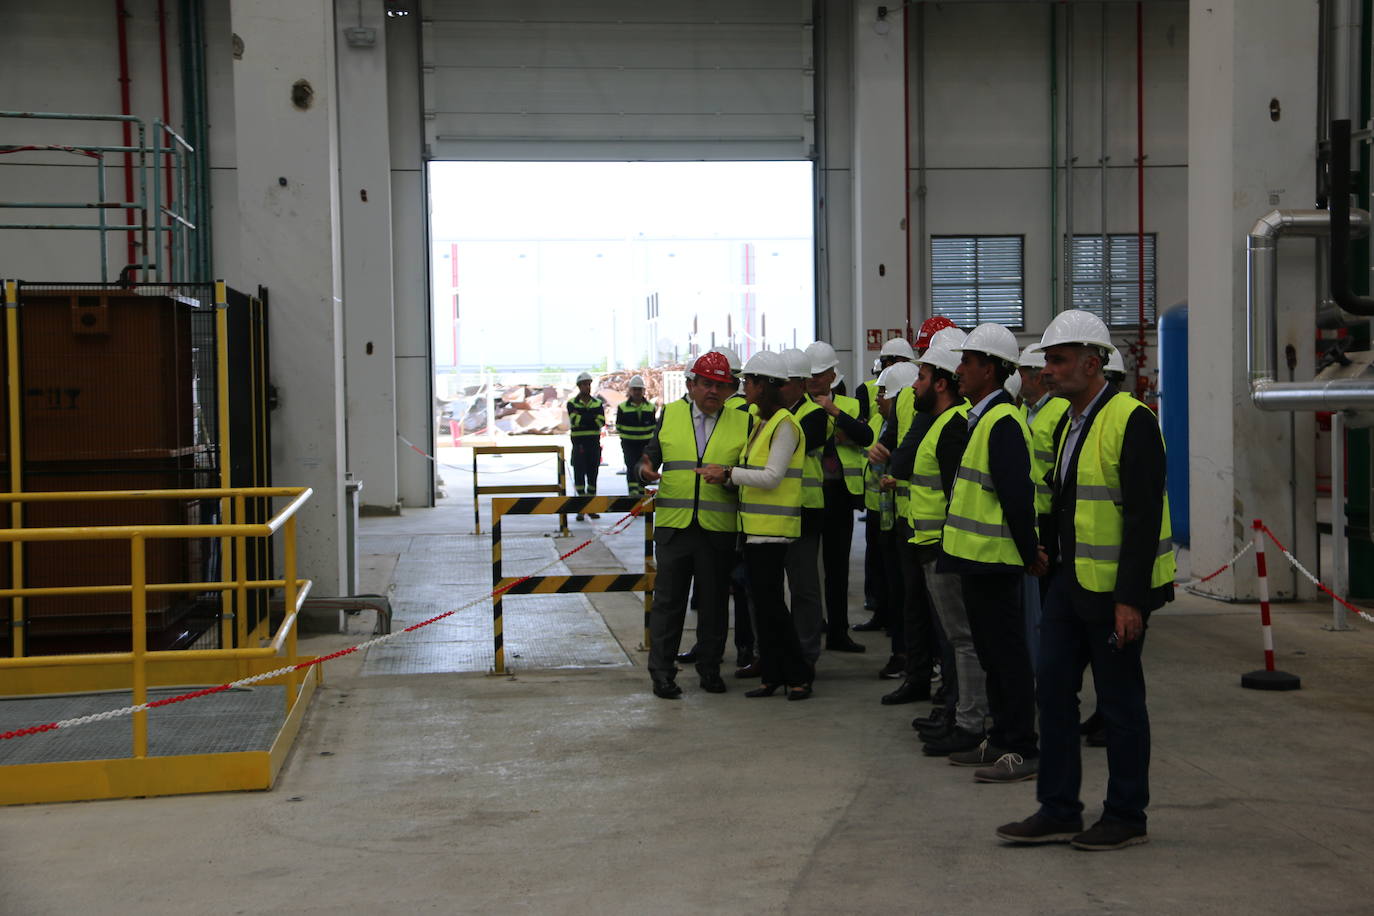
[396,9]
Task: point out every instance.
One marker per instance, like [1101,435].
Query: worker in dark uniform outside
[634,421]
[990,540]
[842,467]
[1113,564]
[696,522]
[586,417]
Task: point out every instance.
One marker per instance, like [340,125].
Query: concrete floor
[577,791]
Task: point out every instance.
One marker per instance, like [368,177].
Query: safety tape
[453,467]
[597,535]
[1313,579]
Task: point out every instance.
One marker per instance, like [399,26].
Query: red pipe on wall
[125,107]
[1140,381]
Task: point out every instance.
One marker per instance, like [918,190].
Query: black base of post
[1270,680]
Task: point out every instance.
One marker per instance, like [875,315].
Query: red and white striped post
[1267,678]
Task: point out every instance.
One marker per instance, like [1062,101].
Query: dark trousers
[918,617]
[1068,644]
[744,618]
[685,556]
[836,538]
[875,577]
[586,461]
[998,625]
[895,578]
[780,652]
[632,450]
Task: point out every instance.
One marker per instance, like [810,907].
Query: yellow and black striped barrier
[569,584]
[559,486]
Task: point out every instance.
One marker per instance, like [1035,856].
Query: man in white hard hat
[803,554]
[1041,409]
[842,467]
[990,539]
[1110,541]
[634,421]
[895,351]
[880,525]
[696,522]
[735,400]
[586,417]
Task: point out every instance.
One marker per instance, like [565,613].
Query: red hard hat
[928,329]
[713,367]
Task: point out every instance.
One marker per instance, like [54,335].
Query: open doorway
[543,270]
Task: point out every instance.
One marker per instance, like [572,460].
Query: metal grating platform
[436,573]
[246,719]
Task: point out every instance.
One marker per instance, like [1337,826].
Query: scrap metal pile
[525,407]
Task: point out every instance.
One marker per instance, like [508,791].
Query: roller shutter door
[618,80]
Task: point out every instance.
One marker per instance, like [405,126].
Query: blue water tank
[1173,412]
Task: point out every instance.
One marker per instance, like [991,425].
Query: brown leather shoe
[750,670]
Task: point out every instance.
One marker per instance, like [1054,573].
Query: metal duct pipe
[1262,308]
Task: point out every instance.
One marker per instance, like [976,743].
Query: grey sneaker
[1008,768]
[1040,828]
[983,755]
[1106,835]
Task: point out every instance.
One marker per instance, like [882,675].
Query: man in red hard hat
[928,329]
[695,522]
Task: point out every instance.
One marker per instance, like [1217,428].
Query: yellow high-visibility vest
[682,492]
[1042,449]
[928,506]
[775,512]
[976,527]
[851,456]
[1098,519]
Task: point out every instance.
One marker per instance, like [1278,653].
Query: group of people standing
[1017,533]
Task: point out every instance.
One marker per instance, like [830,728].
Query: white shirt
[977,410]
[1075,430]
[704,424]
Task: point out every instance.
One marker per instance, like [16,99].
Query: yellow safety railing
[234,590]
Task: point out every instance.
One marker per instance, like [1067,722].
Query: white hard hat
[636,381]
[877,366]
[949,338]
[822,356]
[1032,358]
[839,380]
[1013,384]
[898,376]
[991,339]
[1075,327]
[897,346]
[1115,362]
[584,376]
[731,357]
[766,363]
[797,362]
[940,358]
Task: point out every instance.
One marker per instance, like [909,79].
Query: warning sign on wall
[875,338]
[894,333]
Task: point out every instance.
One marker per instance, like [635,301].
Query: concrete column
[1242,163]
[880,278]
[365,209]
[286,149]
[410,246]
[835,318]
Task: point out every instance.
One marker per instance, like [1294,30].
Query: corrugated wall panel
[534,79]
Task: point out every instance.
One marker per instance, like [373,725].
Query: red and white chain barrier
[1311,578]
[1249,545]
[616,528]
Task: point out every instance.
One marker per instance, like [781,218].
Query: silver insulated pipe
[1262,314]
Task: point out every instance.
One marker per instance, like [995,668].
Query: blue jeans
[1068,644]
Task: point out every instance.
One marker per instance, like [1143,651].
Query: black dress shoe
[666,688]
[744,658]
[844,645]
[871,625]
[957,740]
[907,693]
[711,682]
[799,692]
[763,690]
[689,656]
[895,667]
[938,716]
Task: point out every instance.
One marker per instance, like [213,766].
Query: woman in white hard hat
[770,495]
